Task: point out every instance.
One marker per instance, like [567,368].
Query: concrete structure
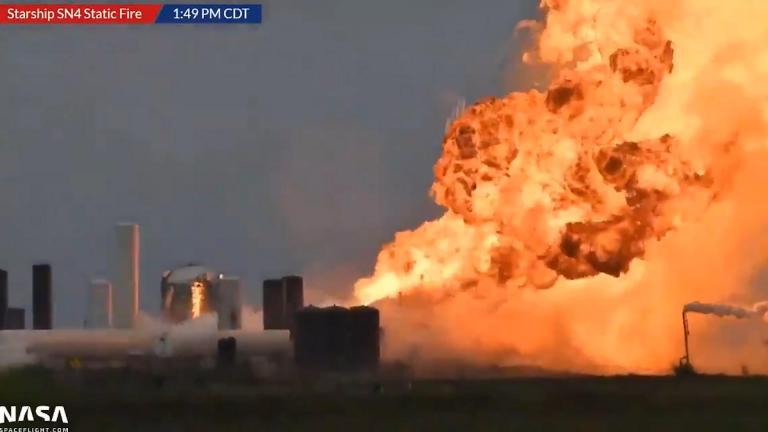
[125,291]
[42,297]
[15,319]
[99,304]
[3,297]
[229,303]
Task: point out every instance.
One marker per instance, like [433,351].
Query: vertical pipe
[125,292]
[3,297]
[42,297]
[685,335]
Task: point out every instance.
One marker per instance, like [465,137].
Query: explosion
[572,214]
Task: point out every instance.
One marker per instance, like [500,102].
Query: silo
[337,338]
[294,298]
[15,319]
[337,326]
[273,304]
[3,297]
[309,338]
[125,291]
[229,304]
[42,297]
[99,304]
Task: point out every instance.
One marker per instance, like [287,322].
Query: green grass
[122,400]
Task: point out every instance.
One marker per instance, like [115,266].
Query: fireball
[578,220]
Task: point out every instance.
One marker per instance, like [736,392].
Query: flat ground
[126,401]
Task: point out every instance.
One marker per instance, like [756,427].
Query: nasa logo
[26,413]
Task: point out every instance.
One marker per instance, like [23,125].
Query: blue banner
[209,14]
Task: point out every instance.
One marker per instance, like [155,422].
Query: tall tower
[42,297]
[125,292]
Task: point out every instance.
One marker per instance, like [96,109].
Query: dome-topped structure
[189,292]
[191,272]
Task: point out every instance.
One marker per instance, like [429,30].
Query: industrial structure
[11,318]
[125,287]
[42,297]
[282,298]
[229,303]
[99,304]
[3,297]
[310,339]
[188,292]
[337,338]
[15,319]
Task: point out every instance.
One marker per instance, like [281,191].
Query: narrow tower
[125,292]
[42,297]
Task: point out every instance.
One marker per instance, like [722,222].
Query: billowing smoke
[578,220]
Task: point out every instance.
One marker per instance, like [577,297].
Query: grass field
[122,401]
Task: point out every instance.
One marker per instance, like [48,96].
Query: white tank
[230,303]
[99,304]
[125,292]
[119,344]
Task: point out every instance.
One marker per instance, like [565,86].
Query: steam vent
[188,292]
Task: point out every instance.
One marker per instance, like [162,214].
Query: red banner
[78,13]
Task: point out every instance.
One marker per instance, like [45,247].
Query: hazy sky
[297,146]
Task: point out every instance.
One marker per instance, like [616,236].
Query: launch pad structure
[334,338]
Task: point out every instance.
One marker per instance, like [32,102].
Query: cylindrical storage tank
[230,303]
[125,291]
[99,304]
[42,297]
[249,343]
[3,297]
[226,351]
[90,344]
[364,337]
[273,305]
[337,336]
[294,298]
[310,338]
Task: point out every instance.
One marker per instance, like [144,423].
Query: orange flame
[580,189]
[197,289]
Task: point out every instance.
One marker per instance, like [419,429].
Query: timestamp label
[210,14]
